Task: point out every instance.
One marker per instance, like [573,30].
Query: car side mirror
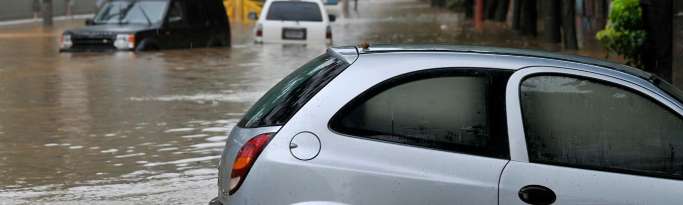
[89,22]
[252,16]
[332,18]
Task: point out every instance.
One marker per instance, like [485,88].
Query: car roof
[351,53]
[397,48]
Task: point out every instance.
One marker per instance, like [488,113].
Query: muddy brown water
[148,128]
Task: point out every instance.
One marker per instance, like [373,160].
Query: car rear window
[280,103]
[294,11]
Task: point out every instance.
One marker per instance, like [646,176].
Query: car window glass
[294,11]
[589,124]
[176,15]
[280,103]
[141,12]
[441,112]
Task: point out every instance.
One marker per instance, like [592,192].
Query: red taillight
[131,41]
[328,33]
[245,159]
[259,30]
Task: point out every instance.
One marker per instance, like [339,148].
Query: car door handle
[537,195]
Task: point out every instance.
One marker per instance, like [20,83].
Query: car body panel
[580,186]
[237,137]
[112,28]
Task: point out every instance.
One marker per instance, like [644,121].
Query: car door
[586,138]
[176,31]
[200,26]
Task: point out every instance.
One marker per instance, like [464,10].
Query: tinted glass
[294,11]
[289,95]
[589,124]
[436,111]
[140,12]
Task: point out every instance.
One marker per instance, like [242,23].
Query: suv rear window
[289,95]
[294,11]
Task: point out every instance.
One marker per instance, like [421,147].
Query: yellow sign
[239,9]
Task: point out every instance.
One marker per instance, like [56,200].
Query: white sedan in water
[293,21]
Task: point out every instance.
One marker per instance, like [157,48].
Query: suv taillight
[245,159]
[328,32]
[259,30]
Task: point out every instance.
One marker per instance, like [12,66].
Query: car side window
[176,15]
[584,123]
[439,109]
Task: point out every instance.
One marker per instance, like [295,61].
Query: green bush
[624,34]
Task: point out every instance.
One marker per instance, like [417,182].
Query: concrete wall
[678,44]
[23,9]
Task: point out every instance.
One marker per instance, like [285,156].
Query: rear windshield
[131,12]
[280,103]
[294,11]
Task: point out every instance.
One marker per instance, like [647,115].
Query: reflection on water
[149,127]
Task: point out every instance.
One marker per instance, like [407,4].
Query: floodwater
[148,128]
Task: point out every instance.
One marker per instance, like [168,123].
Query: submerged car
[142,25]
[397,124]
[293,22]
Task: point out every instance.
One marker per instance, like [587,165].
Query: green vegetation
[624,35]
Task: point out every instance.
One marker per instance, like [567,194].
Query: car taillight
[125,41]
[328,33]
[65,41]
[259,30]
[245,159]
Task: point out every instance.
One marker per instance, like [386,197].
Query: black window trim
[497,118]
[587,167]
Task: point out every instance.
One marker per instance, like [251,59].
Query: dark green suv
[142,25]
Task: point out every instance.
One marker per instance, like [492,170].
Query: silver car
[395,124]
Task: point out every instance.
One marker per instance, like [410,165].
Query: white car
[293,21]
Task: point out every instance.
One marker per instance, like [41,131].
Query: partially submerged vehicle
[293,22]
[142,25]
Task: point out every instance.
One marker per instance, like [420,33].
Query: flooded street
[148,128]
